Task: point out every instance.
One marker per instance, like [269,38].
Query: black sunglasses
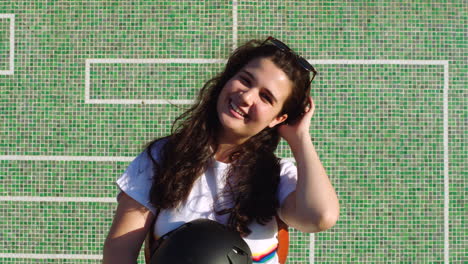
[283,47]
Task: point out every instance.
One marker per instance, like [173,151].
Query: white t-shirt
[136,182]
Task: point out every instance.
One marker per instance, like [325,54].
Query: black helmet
[202,241]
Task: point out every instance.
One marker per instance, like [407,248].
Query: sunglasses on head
[283,47]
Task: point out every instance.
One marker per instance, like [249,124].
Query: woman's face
[252,100]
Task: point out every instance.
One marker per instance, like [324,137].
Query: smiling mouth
[236,109]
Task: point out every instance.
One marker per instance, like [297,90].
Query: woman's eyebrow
[251,76]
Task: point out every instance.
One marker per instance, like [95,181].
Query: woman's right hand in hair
[293,134]
[131,223]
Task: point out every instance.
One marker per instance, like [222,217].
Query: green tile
[379,129]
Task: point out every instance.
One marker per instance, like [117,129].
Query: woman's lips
[236,111]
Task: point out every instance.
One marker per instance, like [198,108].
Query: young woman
[219,162]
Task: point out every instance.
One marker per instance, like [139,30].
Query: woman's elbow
[327,221]
[319,223]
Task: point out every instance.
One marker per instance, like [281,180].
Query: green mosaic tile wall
[379,124]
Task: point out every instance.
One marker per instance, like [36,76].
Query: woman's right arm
[132,221]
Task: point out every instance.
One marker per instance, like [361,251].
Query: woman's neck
[226,145]
[224,151]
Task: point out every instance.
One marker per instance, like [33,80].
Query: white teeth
[237,110]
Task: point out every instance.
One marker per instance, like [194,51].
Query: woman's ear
[278,120]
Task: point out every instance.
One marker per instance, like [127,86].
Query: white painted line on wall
[76,158]
[11,69]
[57,199]
[156,61]
[49,256]
[375,62]
[87,80]
[234,24]
[140,101]
[311,248]
[446,166]
[65,158]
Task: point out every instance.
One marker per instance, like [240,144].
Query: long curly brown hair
[253,175]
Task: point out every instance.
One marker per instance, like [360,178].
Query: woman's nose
[247,97]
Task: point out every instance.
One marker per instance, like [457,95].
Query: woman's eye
[244,80]
[267,98]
